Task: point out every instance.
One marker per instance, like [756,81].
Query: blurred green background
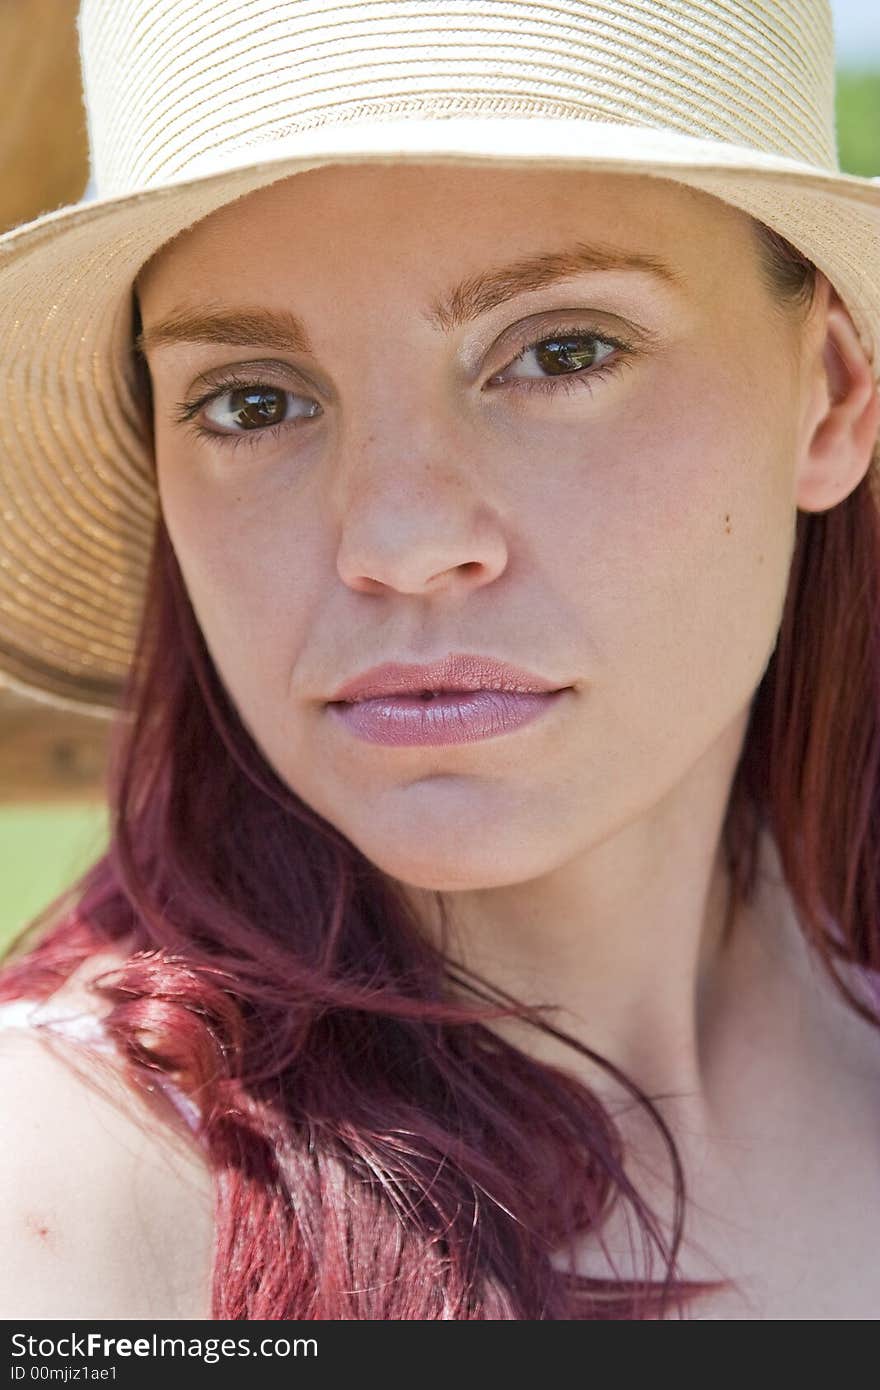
[43,848]
[858,120]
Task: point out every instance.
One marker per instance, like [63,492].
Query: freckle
[727,523]
[38,1226]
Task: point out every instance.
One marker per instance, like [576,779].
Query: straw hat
[192,103]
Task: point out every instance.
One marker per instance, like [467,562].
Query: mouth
[459,674]
[430,718]
[425,696]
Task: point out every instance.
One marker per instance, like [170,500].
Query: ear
[843,415]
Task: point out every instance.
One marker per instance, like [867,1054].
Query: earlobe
[843,431]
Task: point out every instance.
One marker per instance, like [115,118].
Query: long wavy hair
[378,1151]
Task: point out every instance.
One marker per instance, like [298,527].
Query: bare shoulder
[103,1211]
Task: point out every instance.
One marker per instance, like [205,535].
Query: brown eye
[253,407]
[558,355]
[564,354]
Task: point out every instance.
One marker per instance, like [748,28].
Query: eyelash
[585,378]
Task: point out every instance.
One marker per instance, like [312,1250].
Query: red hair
[378,1152]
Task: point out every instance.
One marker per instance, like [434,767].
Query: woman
[488,927]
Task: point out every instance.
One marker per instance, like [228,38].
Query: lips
[467,716]
[460,672]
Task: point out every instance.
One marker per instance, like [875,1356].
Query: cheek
[251,574]
[679,563]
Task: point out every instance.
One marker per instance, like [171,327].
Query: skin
[629,538]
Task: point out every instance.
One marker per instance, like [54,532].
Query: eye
[579,353]
[256,406]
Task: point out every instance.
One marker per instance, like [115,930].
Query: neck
[644,973]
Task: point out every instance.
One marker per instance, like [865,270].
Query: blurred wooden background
[43,145]
[44,755]
[48,756]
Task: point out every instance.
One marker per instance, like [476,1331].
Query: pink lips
[457,700]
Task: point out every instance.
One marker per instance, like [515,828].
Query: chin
[434,867]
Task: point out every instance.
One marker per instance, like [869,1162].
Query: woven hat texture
[193,103]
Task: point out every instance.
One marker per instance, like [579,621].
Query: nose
[413,517]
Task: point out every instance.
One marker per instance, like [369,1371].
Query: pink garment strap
[87,1027]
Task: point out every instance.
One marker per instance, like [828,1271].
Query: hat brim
[77,493]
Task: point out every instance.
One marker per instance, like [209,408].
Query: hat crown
[170,83]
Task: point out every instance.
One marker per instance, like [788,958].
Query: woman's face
[546,417]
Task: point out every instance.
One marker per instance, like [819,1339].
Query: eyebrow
[283,331]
